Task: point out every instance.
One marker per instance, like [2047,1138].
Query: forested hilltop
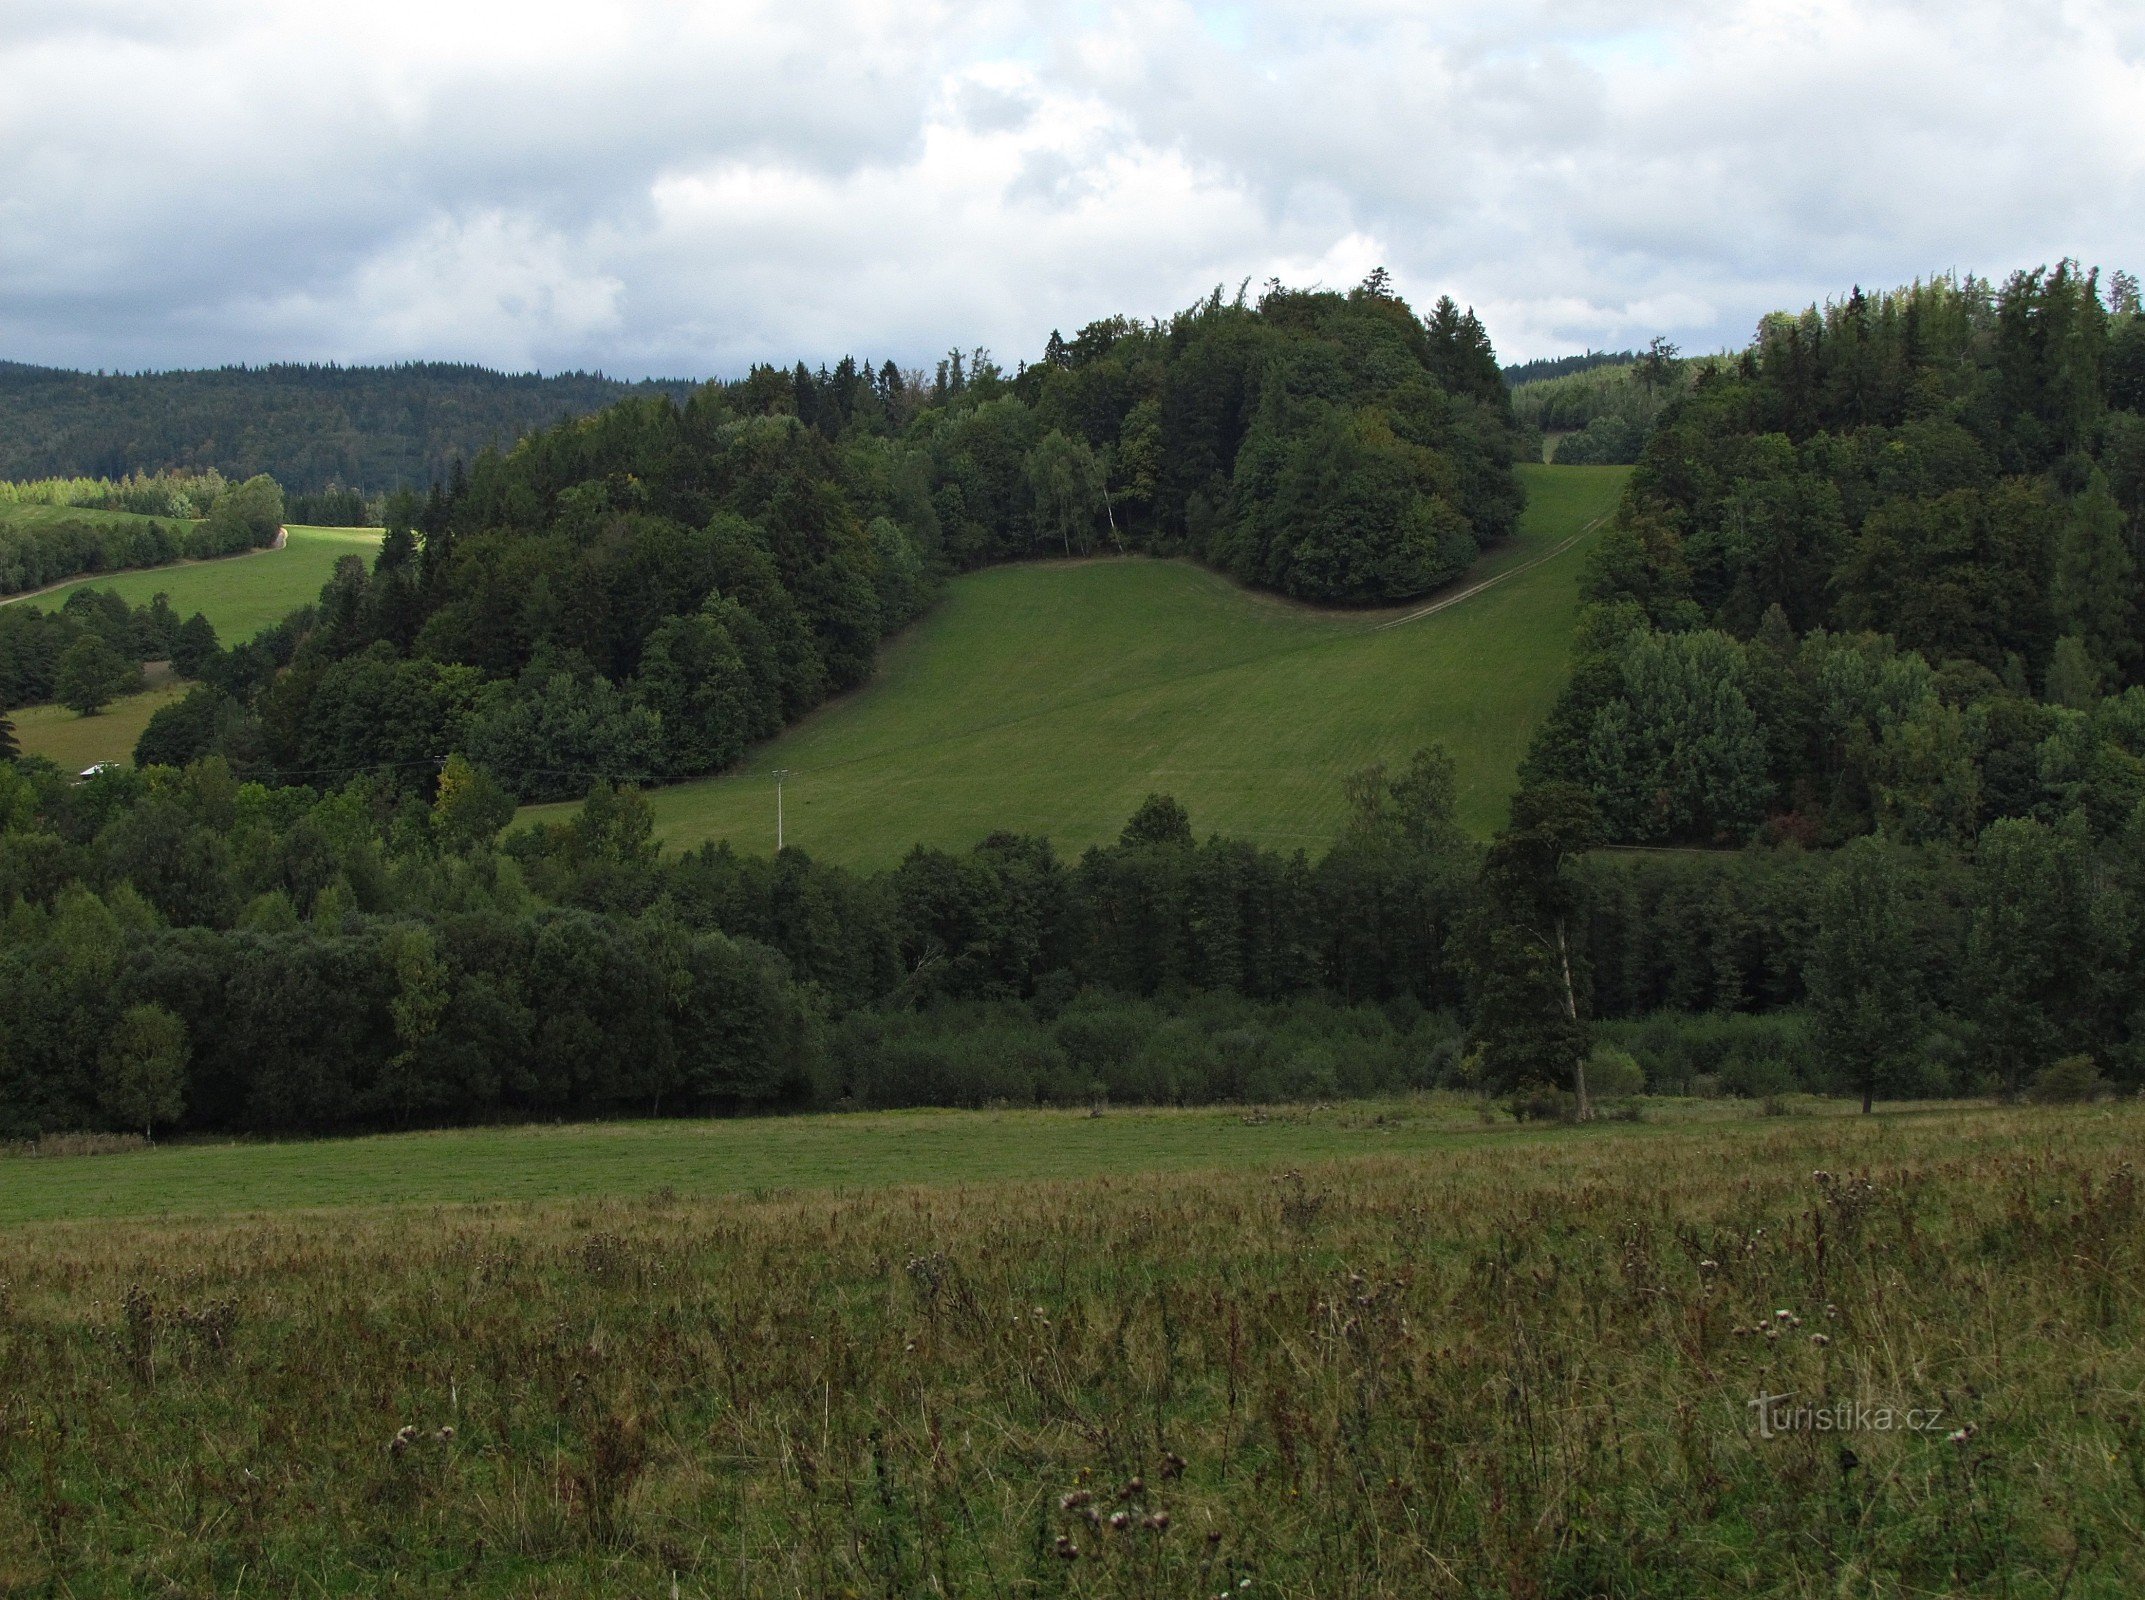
[1543,368]
[642,593]
[1882,573]
[1874,583]
[368,429]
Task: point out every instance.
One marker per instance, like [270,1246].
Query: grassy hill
[240,595]
[1051,697]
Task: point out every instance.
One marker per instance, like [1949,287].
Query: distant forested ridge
[1882,573]
[1602,413]
[642,593]
[311,428]
[1543,368]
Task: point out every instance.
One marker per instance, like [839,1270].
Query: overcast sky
[659,187]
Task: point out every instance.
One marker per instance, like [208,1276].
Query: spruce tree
[1531,993]
[1863,988]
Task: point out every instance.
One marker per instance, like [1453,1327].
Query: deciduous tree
[142,1071]
[91,674]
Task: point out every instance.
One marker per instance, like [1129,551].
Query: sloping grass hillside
[1052,697]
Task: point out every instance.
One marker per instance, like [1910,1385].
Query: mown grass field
[75,742]
[240,595]
[1052,697]
[1495,1361]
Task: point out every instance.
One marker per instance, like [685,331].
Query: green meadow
[240,595]
[1051,697]
[74,742]
[752,1155]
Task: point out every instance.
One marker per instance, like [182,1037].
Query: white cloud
[649,186]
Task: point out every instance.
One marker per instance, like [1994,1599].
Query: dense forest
[1875,585]
[185,950]
[1543,368]
[1601,412]
[1882,574]
[311,428]
[643,593]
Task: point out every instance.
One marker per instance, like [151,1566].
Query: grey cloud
[655,187]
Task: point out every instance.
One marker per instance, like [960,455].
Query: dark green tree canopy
[1880,573]
[91,674]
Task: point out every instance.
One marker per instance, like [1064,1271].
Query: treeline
[641,594]
[1873,585]
[311,428]
[185,950]
[185,495]
[334,507]
[1602,414]
[96,635]
[44,550]
[1880,574]
[1545,367]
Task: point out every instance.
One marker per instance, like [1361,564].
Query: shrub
[2069,1082]
[1613,1074]
[1541,1102]
[1738,1052]
[1756,1077]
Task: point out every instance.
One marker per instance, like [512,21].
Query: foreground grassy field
[1051,698]
[1513,1363]
[240,595]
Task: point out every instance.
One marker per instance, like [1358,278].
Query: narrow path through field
[281,539]
[1474,589]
